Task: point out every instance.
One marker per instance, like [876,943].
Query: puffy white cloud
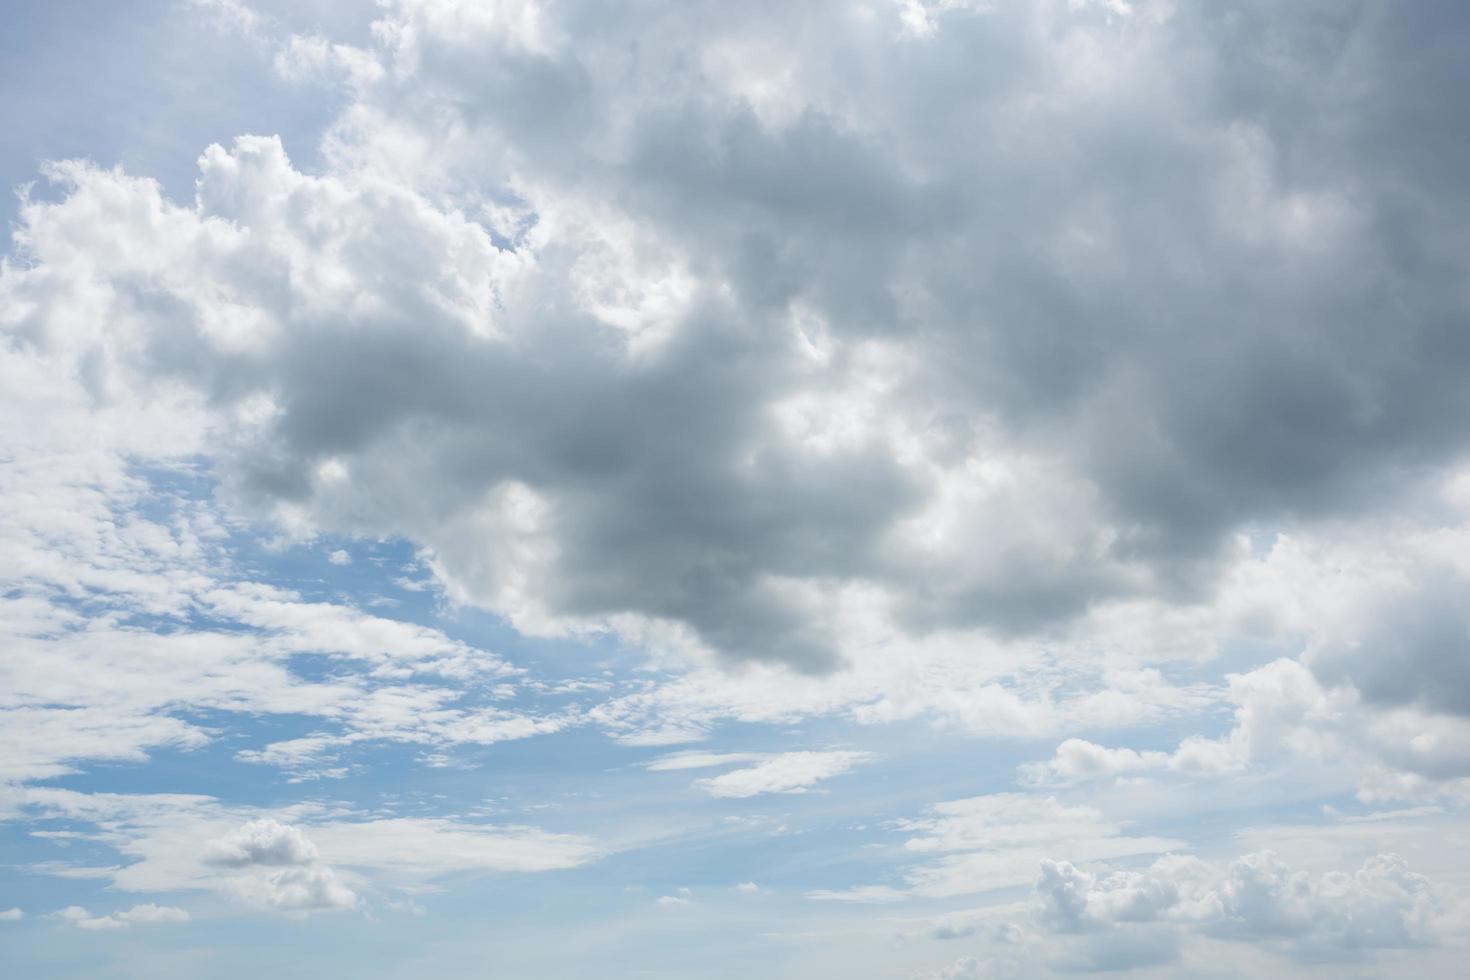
[261,842]
[1285,718]
[304,889]
[1078,758]
[12,915]
[1256,898]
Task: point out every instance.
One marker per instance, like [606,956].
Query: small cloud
[340,557]
[149,913]
[83,919]
[790,772]
[261,842]
[153,913]
[865,895]
[699,760]
[302,889]
[683,897]
[747,888]
[12,915]
[298,882]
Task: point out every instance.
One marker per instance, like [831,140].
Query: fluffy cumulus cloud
[264,842]
[1133,918]
[1391,747]
[1251,915]
[1078,381]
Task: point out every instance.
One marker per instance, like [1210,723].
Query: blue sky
[920,490]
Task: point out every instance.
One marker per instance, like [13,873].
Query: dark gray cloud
[1174,273]
[1415,650]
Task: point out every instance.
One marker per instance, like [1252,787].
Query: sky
[904,489]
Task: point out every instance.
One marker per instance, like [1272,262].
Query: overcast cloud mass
[919,489]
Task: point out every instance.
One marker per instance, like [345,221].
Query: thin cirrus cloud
[789,772]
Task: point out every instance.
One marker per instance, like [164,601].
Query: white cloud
[1255,898]
[1080,759]
[699,760]
[789,772]
[1285,718]
[875,350]
[147,914]
[12,915]
[681,897]
[305,889]
[153,913]
[261,842]
[298,859]
[986,843]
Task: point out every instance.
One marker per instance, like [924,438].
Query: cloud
[789,772]
[1412,648]
[1011,368]
[306,889]
[1285,718]
[261,842]
[153,913]
[1132,918]
[129,580]
[699,760]
[302,858]
[146,914]
[682,897]
[1080,759]
[985,843]
[12,915]
[724,285]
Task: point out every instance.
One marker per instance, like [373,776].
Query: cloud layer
[1024,441]
[683,350]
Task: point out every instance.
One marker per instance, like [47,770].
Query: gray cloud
[1415,650]
[1167,275]
[1127,919]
